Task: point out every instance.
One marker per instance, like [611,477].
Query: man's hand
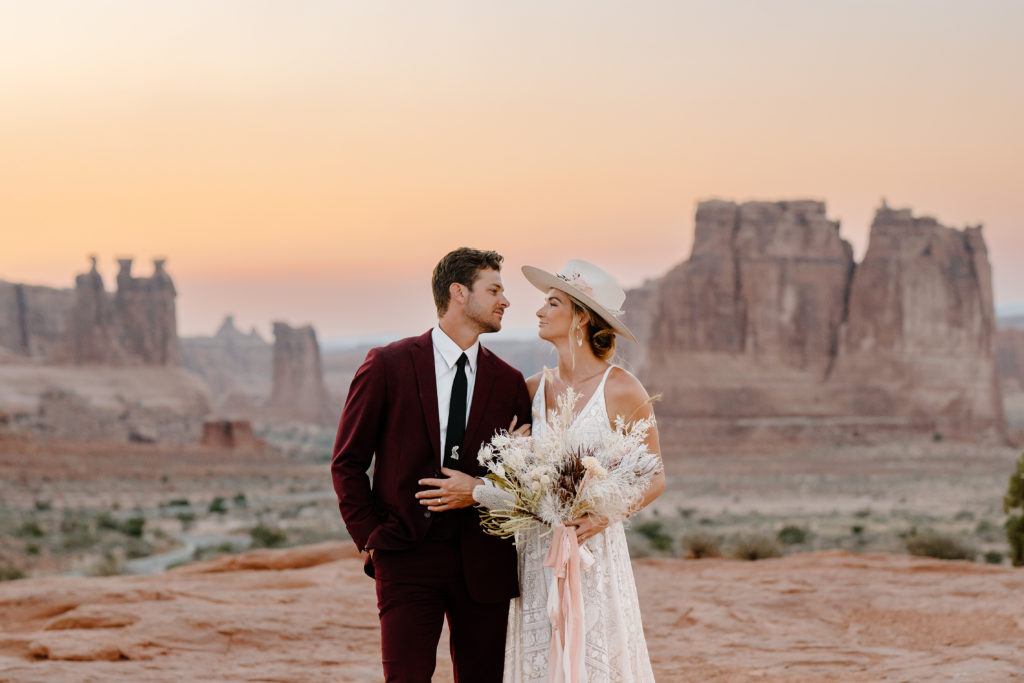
[448,494]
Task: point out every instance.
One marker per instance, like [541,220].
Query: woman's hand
[588,526]
[522,431]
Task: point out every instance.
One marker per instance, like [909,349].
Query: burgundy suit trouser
[416,590]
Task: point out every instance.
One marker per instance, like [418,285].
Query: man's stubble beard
[482,319]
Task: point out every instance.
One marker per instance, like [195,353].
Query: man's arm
[457,489]
[354,447]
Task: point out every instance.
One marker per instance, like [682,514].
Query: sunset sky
[311,161]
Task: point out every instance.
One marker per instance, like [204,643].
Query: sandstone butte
[771,324]
[309,614]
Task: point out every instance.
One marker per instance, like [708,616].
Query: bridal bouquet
[559,475]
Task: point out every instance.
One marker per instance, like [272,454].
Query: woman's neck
[576,363]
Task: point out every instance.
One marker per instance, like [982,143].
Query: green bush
[701,544]
[106,521]
[136,548]
[217,505]
[9,573]
[186,519]
[77,534]
[177,502]
[32,548]
[30,530]
[1014,500]
[754,546]
[939,546]
[994,557]
[239,500]
[265,537]
[654,532]
[792,535]
[133,526]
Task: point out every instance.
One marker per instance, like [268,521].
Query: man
[423,406]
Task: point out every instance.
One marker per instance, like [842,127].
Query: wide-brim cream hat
[590,285]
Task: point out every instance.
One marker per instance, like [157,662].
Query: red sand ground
[308,614]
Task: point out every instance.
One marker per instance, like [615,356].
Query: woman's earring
[579,339]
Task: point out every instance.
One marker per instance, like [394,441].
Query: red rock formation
[231,434]
[33,320]
[1010,359]
[145,315]
[236,366]
[86,325]
[771,322]
[92,337]
[298,392]
[919,341]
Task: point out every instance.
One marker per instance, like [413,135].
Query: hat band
[576,281]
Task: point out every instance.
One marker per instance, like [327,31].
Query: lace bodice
[592,418]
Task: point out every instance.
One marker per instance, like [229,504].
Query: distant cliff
[134,325]
[771,323]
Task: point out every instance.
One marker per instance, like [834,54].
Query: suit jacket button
[426,514]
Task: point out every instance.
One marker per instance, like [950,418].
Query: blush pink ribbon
[565,607]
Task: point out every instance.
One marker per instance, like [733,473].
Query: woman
[580,317]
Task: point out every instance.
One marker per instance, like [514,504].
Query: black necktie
[456,416]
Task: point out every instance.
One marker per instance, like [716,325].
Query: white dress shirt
[446,356]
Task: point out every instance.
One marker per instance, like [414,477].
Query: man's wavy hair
[463,266]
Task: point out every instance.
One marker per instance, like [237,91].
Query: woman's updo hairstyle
[601,335]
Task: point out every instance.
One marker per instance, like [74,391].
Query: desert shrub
[791,535]
[654,532]
[987,530]
[964,516]
[862,513]
[136,548]
[686,513]
[939,546]
[30,530]
[133,526]
[76,534]
[239,500]
[754,546]
[43,505]
[702,544]
[217,505]
[207,552]
[177,502]
[856,529]
[108,565]
[186,519]
[993,557]
[106,521]
[9,573]
[32,548]
[265,537]
[1014,500]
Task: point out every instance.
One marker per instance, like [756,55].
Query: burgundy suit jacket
[391,413]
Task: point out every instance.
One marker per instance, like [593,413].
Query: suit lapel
[426,382]
[481,395]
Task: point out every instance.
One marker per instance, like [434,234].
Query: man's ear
[458,292]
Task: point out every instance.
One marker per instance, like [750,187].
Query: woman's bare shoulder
[624,393]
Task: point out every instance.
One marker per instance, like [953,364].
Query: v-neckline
[577,416]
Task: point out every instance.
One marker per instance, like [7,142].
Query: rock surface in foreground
[309,614]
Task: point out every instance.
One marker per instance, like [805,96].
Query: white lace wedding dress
[614,648]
